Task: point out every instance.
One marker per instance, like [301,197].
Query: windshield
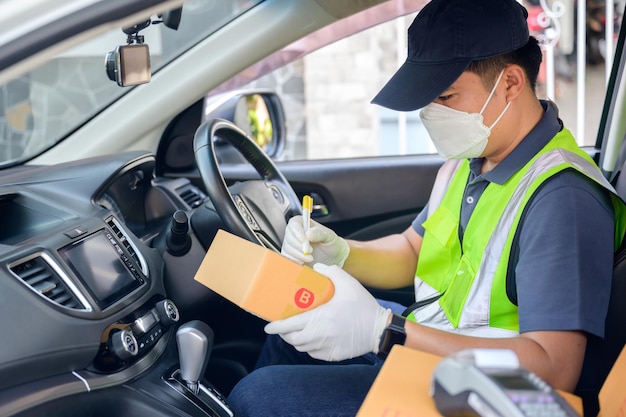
[44,105]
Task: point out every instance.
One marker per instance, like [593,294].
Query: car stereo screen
[97,263]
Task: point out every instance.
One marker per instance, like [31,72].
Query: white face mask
[457,134]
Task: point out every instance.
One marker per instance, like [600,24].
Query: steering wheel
[257,210]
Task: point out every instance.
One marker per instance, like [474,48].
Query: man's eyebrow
[448,90]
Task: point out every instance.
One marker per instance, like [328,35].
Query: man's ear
[515,80]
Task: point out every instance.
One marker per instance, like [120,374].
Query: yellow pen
[307,208]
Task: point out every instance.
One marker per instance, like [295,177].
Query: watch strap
[394,334]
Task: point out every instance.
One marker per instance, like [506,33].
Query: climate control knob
[168,312]
[123,344]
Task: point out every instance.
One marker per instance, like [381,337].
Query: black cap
[443,39]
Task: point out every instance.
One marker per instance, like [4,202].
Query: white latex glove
[321,244]
[350,324]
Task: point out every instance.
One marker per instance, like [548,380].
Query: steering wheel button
[245,213]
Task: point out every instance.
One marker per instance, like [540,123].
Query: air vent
[40,276]
[128,245]
[191,195]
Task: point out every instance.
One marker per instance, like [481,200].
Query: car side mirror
[259,113]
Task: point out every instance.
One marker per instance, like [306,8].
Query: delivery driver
[514,250]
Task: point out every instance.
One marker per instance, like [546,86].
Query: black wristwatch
[394,334]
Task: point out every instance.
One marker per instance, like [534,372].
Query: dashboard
[81,285]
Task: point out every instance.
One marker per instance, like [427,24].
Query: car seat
[601,354]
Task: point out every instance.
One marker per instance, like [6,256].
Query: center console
[195,341]
[178,380]
[128,340]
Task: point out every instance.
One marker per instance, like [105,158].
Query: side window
[326,96]
[326,90]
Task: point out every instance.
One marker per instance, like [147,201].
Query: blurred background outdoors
[327,93]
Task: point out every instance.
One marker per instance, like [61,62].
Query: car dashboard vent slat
[191,195]
[128,245]
[121,237]
[42,278]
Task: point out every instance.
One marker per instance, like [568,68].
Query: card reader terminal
[490,383]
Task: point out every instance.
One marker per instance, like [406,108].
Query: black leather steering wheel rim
[242,214]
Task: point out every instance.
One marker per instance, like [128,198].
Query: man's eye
[444,98]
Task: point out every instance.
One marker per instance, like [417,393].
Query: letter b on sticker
[304,298]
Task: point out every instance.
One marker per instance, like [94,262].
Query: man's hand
[347,326]
[321,244]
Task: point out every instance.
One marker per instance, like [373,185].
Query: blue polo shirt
[561,263]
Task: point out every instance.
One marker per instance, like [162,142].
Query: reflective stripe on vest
[480,306]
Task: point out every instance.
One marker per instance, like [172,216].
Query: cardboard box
[612,394]
[259,280]
[402,387]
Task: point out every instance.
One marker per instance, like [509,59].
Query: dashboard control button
[75,232]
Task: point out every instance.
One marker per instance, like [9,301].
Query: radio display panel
[100,264]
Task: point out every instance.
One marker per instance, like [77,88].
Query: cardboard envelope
[402,387]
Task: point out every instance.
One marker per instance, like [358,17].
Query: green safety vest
[471,277]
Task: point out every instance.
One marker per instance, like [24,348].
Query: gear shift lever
[194,340]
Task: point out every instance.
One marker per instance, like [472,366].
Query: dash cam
[128,64]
